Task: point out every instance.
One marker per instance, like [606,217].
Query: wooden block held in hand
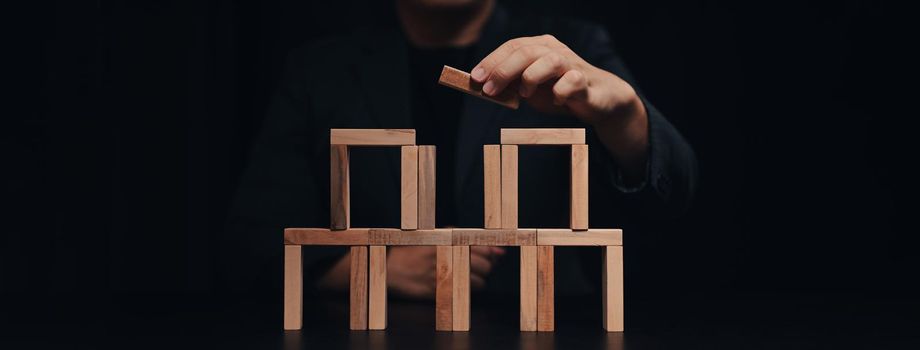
[358,288]
[293,287]
[444,288]
[546,295]
[492,170]
[461,303]
[509,186]
[377,288]
[578,218]
[372,137]
[427,179]
[543,136]
[339,188]
[460,80]
[409,188]
[528,288]
[613,289]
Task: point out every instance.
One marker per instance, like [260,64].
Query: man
[385,76]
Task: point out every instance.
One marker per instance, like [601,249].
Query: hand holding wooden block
[460,80]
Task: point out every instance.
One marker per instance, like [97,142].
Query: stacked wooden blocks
[452,300]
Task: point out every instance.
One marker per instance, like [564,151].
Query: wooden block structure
[367,255]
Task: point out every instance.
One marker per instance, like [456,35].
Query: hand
[553,79]
[412,271]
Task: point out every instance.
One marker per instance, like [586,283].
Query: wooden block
[543,136]
[293,287]
[358,288]
[528,288]
[613,289]
[509,186]
[444,288]
[323,236]
[339,188]
[546,303]
[372,137]
[578,218]
[494,237]
[492,170]
[461,293]
[389,236]
[460,80]
[409,188]
[567,237]
[427,181]
[377,288]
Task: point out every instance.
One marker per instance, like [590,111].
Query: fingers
[484,68]
[571,85]
[547,67]
[511,68]
[480,265]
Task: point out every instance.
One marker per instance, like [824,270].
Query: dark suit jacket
[360,80]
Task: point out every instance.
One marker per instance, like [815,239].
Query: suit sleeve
[671,169]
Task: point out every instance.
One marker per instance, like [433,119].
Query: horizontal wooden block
[387,236]
[460,80]
[591,237]
[543,136]
[494,237]
[324,236]
[372,137]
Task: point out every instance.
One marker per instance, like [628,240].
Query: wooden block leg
[492,180]
[613,288]
[427,176]
[409,188]
[509,186]
[443,299]
[358,288]
[528,288]
[293,287]
[340,216]
[578,218]
[546,308]
[461,304]
[377,288]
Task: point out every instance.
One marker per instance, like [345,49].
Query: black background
[130,123]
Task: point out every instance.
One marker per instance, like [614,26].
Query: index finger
[484,68]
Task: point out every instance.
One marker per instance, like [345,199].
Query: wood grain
[358,288]
[568,237]
[494,237]
[492,172]
[612,282]
[339,188]
[377,288]
[293,287]
[372,137]
[528,288]
[427,181]
[389,236]
[461,293]
[460,80]
[324,236]
[546,303]
[509,186]
[542,136]
[578,204]
[444,288]
[409,188]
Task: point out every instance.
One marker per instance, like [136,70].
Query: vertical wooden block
[528,288]
[427,179]
[546,307]
[578,220]
[339,188]
[377,285]
[293,287]
[409,188]
[492,170]
[443,299]
[461,297]
[613,289]
[358,288]
[509,186]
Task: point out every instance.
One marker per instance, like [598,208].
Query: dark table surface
[158,322]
